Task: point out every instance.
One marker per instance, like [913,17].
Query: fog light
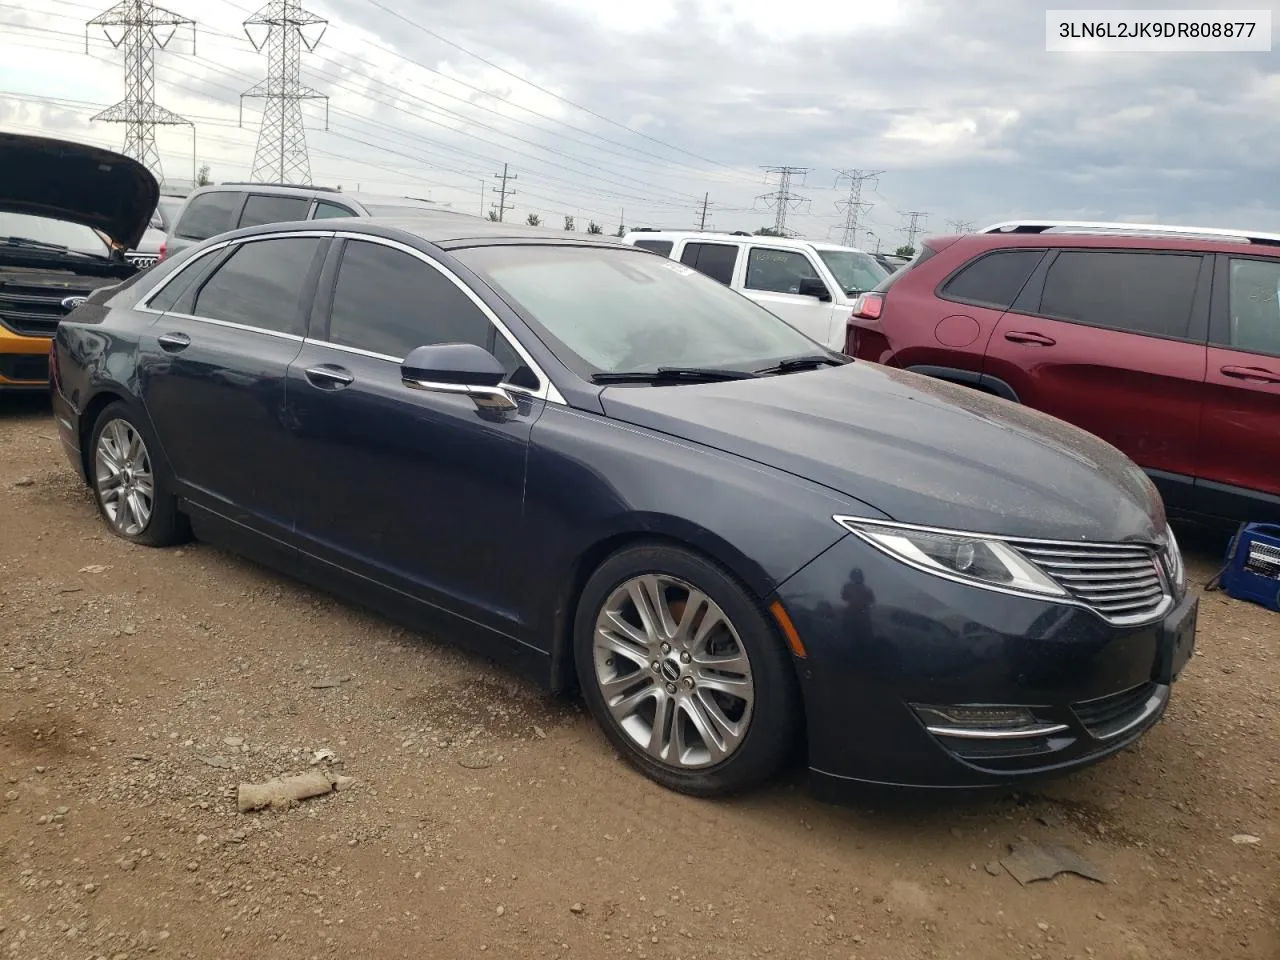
[977,722]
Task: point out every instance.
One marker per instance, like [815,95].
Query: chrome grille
[142,260]
[1123,582]
[34,311]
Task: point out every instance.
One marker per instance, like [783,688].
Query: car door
[212,373]
[421,492]
[1113,341]
[774,278]
[1239,473]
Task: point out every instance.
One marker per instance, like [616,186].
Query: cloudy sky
[608,114]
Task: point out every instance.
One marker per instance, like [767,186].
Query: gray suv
[229,206]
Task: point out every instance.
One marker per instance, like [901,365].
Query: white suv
[810,285]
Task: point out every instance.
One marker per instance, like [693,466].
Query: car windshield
[619,310]
[856,272]
[17,228]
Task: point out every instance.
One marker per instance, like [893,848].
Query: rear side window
[995,279]
[261,285]
[1148,293]
[1254,304]
[265,208]
[328,211]
[716,260]
[179,293]
[208,214]
[923,254]
[657,246]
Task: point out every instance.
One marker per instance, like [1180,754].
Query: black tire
[165,526]
[774,722]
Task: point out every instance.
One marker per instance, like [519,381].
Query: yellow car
[68,211]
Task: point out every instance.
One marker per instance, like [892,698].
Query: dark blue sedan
[620,475]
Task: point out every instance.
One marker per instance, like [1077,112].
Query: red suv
[1164,341]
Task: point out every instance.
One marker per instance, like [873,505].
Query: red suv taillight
[868,306]
[164,249]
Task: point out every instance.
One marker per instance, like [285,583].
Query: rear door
[773,279]
[1239,472]
[1113,341]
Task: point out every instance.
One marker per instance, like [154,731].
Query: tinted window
[994,280]
[208,214]
[259,209]
[1147,293]
[778,271]
[716,260]
[327,211]
[179,292]
[657,246]
[1254,304]
[261,285]
[389,302]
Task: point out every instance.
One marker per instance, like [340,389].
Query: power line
[854,204]
[139,27]
[914,227]
[503,192]
[284,28]
[782,199]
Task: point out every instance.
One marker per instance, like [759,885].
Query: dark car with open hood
[68,211]
[601,466]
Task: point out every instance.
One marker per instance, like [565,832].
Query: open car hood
[79,183]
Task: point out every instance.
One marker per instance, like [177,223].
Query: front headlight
[1177,569]
[963,557]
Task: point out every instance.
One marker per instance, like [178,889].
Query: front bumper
[883,639]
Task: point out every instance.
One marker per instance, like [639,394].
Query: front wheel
[132,499]
[684,672]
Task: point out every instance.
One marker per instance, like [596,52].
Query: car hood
[918,449]
[79,183]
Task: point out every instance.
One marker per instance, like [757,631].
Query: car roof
[450,230]
[1117,235]
[297,190]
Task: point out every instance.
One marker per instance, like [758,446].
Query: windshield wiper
[669,374]
[807,362]
[41,245]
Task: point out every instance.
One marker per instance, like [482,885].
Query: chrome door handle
[173,342]
[329,377]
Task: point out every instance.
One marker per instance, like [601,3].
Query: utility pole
[783,200]
[854,205]
[914,227]
[139,27]
[961,226]
[503,192]
[702,220]
[283,28]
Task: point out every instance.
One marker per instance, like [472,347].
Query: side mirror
[814,287]
[459,368]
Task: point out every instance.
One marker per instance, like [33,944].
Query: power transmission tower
[702,220]
[961,226]
[139,27]
[914,227]
[782,199]
[854,205]
[503,192]
[284,28]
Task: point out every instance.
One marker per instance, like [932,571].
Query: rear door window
[1254,306]
[328,211]
[657,246]
[263,208]
[263,284]
[208,214]
[716,260]
[1137,292]
[994,279]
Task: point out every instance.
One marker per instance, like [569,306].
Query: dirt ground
[139,687]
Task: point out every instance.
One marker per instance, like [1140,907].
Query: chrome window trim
[1011,733]
[1167,603]
[546,391]
[278,334]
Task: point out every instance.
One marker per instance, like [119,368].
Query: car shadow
[21,405]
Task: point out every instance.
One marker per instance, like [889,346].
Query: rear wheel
[133,500]
[684,672]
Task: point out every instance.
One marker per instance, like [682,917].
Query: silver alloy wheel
[673,671]
[122,475]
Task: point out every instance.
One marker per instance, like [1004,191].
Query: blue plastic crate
[1252,570]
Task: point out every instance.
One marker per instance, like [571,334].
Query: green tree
[493,215]
[768,232]
[906,250]
[594,227]
[533,220]
[568,223]
[202,178]
[622,231]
